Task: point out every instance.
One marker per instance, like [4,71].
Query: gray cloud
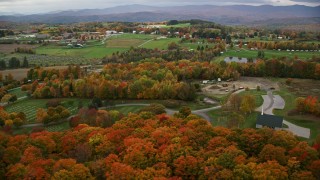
[308,1]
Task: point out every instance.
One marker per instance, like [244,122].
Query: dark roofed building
[271,121]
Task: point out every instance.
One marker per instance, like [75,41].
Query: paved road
[203,112]
[271,102]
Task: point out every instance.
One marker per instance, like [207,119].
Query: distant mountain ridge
[232,15]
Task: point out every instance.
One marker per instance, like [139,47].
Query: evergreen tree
[3,64]
[25,62]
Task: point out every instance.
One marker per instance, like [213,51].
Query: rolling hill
[232,15]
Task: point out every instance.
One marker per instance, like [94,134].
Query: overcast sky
[41,6]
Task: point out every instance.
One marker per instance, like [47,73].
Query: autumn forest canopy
[159,100]
[146,146]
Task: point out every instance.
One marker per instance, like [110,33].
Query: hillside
[236,14]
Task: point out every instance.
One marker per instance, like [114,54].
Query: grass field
[163,44]
[160,43]
[86,52]
[134,36]
[58,127]
[30,106]
[114,44]
[194,45]
[20,74]
[194,105]
[9,48]
[127,109]
[220,118]
[256,94]
[124,43]
[181,25]
[18,92]
[244,53]
[52,128]
[307,121]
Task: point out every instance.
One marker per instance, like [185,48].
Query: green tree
[173,46]
[184,111]
[248,104]
[25,63]
[260,54]
[3,64]
[154,108]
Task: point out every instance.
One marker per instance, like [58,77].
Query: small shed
[271,121]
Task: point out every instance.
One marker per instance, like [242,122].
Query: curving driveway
[271,102]
[200,112]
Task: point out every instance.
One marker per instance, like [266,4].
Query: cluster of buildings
[66,38]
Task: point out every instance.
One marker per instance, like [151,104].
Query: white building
[111,32]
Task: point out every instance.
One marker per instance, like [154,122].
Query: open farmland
[270,54]
[160,43]
[30,106]
[9,48]
[80,54]
[134,36]
[124,43]
[128,40]
[61,55]
[180,25]
[20,74]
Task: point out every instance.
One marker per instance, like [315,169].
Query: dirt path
[145,42]
[271,102]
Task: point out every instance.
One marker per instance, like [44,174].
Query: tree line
[156,78]
[308,105]
[283,45]
[174,53]
[14,63]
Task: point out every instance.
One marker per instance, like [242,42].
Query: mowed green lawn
[257,95]
[160,43]
[114,44]
[30,106]
[86,52]
[18,92]
[127,109]
[134,36]
[244,53]
[194,46]
[52,128]
[306,121]
[58,127]
[124,43]
[220,118]
[177,25]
